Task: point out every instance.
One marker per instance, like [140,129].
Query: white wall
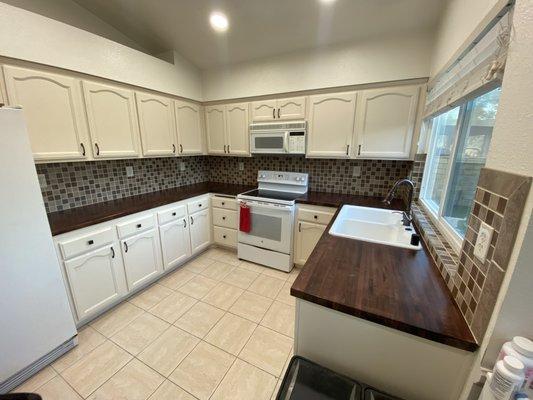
[511,150]
[460,23]
[71,13]
[381,59]
[32,37]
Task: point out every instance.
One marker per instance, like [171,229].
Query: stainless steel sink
[373,225]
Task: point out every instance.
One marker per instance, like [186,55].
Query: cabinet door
[113,123]
[307,236]
[237,129]
[157,124]
[175,242]
[94,281]
[200,228]
[264,110]
[189,128]
[293,108]
[54,113]
[331,125]
[215,119]
[385,122]
[142,259]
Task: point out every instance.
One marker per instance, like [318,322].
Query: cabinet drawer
[322,216]
[198,205]
[82,244]
[171,214]
[224,202]
[225,236]
[225,218]
[138,225]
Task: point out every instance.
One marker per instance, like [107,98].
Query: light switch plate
[484,238]
[129,171]
[241,166]
[42,180]
[182,166]
[356,173]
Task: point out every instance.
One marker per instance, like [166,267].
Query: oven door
[269,142]
[271,226]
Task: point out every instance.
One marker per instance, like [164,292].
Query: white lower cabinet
[95,280]
[311,223]
[200,228]
[175,242]
[142,259]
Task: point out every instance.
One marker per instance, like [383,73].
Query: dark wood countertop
[395,287]
[80,217]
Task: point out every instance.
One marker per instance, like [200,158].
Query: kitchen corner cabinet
[311,222]
[331,125]
[200,228]
[156,124]
[188,117]
[94,281]
[53,107]
[113,121]
[281,109]
[227,129]
[141,258]
[385,122]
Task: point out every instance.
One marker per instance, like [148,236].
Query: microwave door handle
[286,142]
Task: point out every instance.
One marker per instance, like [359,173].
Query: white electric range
[272,205]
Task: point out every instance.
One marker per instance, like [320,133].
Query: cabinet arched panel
[189,128]
[157,125]
[238,136]
[141,258]
[175,242]
[215,119]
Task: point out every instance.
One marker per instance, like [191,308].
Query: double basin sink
[374,225]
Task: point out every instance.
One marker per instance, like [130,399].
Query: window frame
[437,217]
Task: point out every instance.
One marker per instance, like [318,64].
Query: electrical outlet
[129,171]
[356,172]
[42,180]
[183,166]
[241,166]
[484,238]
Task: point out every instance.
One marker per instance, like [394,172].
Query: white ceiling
[259,28]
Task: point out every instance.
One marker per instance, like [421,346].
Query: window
[459,141]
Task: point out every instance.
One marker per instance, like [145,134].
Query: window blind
[480,67]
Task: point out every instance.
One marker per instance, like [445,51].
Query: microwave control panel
[297,142]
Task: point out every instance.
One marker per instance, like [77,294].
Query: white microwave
[278,138]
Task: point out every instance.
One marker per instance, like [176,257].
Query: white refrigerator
[36,323]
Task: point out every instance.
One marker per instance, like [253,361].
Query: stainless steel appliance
[278,137]
[272,205]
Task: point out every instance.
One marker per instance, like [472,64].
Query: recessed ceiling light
[327,1]
[219,21]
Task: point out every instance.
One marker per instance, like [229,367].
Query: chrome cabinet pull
[82,149]
[112,252]
[126,247]
[278,113]
[97,148]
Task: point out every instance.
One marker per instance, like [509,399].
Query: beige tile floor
[216,328]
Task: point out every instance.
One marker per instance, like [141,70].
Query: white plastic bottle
[522,349]
[507,378]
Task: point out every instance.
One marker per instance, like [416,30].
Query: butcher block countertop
[395,287]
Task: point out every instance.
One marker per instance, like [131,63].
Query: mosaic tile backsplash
[375,178]
[70,185]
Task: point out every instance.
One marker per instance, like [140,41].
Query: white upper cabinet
[113,123]
[293,108]
[237,128]
[188,117]
[385,122]
[264,110]
[54,112]
[157,124]
[215,121]
[331,125]
[280,109]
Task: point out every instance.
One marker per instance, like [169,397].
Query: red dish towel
[244,218]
